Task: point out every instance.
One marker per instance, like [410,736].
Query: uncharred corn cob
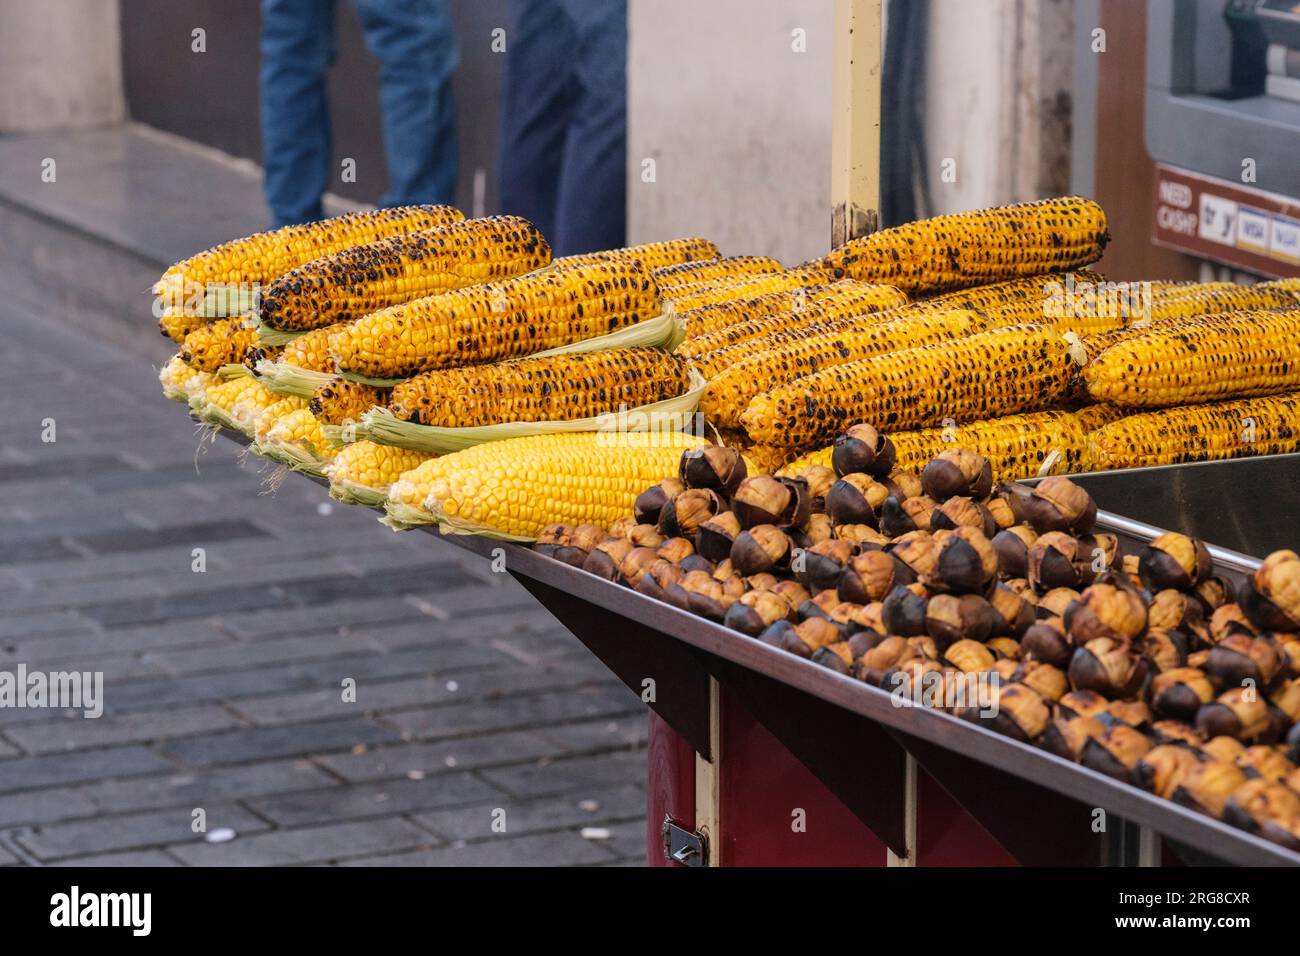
[518,486]
[175,323]
[263,257]
[370,465]
[239,400]
[180,381]
[497,320]
[407,494]
[341,401]
[299,430]
[1231,356]
[713,270]
[651,255]
[223,342]
[846,299]
[358,281]
[1017,446]
[1209,432]
[730,392]
[711,293]
[994,373]
[554,388]
[274,412]
[990,245]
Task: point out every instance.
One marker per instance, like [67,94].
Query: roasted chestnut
[1065,736]
[804,638]
[1239,658]
[699,593]
[917,550]
[1109,667]
[855,499]
[1174,561]
[1052,561]
[714,538]
[1049,682]
[862,535]
[762,499]
[650,503]
[1016,613]
[645,536]
[957,471]
[819,479]
[1272,597]
[657,577]
[604,559]
[1054,504]
[961,512]
[1116,752]
[1020,713]
[883,656]
[871,575]
[863,449]
[1181,692]
[683,515]
[1047,641]
[964,561]
[754,611]
[968,656]
[1162,768]
[675,549]
[1264,762]
[1105,610]
[903,610]
[837,657]
[816,529]
[715,467]
[1260,801]
[900,515]
[1240,713]
[951,618]
[1207,785]
[820,566]
[1012,546]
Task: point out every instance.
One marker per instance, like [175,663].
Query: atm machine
[1222,123]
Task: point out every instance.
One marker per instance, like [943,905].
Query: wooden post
[708,794]
[855,124]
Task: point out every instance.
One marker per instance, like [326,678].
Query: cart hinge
[687,847]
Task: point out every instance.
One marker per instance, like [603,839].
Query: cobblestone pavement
[223,688]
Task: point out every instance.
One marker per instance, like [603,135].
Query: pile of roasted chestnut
[1146,667]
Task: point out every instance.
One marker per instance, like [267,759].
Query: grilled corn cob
[265,256]
[1092,417]
[223,342]
[497,320]
[1080,301]
[1289,286]
[713,270]
[180,381]
[311,351]
[651,255]
[406,495]
[341,400]
[1180,303]
[235,403]
[363,471]
[518,486]
[361,280]
[845,299]
[1215,357]
[1209,432]
[950,252]
[175,323]
[729,393]
[713,293]
[986,375]
[554,388]
[1017,446]
[274,412]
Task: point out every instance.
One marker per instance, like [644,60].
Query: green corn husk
[227,372]
[382,426]
[402,517]
[289,379]
[226,301]
[665,331]
[448,525]
[293,457]
[213,415]
[352,493]
[269,336]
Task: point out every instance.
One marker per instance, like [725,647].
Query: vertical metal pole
[909,817]
[855,122]
[708,794]
[1148,853]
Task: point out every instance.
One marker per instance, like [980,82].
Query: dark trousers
[563,148]
[414,42]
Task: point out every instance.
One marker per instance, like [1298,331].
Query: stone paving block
[22,626]
[148,610]
[7,858]
[514,712]
[261,743]
[566,848]
[80,467]
[204,785]
[629,732]
[132,831]
[576,773]
[388,798]
[321,844]
[54,769]
[242,656]
[80,733]
[467,753]
[60,647]
[28,807]
[577,810]
[277,621]
[203,533]
[128,859]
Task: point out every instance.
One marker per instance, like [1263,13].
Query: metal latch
[686,847]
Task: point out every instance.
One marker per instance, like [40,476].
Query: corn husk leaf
[449,525]
[284,379]
[225,301]
[301,458]
[269,336]
[353,493]
[382,426]
[215,415]
[234,370]
[402,517]
[664,331]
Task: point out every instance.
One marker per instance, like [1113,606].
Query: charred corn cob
[994,373]
[713,270]
[274,412]
[651,255]
[1186,302]
[713,293]
[1094,416]
[842,300]
[1017,446]
[1080,301]
[1216,357]
[1209,432]
[497,320]
[265,256]
[180,381]
[1289,286]
[518,486]
[730,392]
[175,323]
[341,400]
[223,342]
[363,471]
[311,351]
[554,388]
[235,403]
[361,280]
[950,252]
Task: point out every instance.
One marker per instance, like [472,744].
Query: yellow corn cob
[730,392]
[950,252]
[300,431]
[341,401]
[497,320]
[712,318]
[175,323]
[223,342]
[994,373]
[651,255]
[1214,298]
[1017,446]
[713,270]
[712,293]
[1080,301]
[265,256]
[361,280]
[554,388]
[1208,432]
[407,494]
[240,400]
[1215,357]
[274,412]
[713,351]
[370,465]
[311,350]
[518,486]
[1289,286]
[180,381]
[1092,417]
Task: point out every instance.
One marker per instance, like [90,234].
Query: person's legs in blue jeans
[297,48]
[591,209]
[538,92]
[417,47]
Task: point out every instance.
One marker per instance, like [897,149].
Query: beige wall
[60,64]
[738,124]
